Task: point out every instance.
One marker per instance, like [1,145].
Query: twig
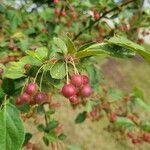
[102,16]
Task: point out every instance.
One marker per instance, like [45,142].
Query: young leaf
[11,128]
[60,45]
[81,117]
[70,46]
[58,71]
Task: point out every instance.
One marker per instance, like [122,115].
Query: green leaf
[106,50]
[8,86]
[62,137]
[60,44]
[2,94]
[89,105]
[70,46]
[41,53]
[50,112]
[141,103]
[81,117]
[138,93]
[30,60]
[41,127]
[51,137]
[122,121]
[14,70]
[73,147]
[24,108]
[125,43]
[115,93]
[45,140]
[145,126]
[52,125]
[94,75]
[58,71]
[28,136]
[2,8]
[40,109]
[11,128]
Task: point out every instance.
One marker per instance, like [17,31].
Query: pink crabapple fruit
[25,97]
[31,89]
[86,91]
[85,79]
[76,80]
[41,97]
[74,100]
[68,90]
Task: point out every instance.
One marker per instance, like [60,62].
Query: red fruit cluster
[32,96]
[78,87]
[138,139]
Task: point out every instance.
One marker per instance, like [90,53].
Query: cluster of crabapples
[32,96]
[78,87]
[145,137]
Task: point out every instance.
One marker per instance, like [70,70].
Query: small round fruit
[1,71]
[76,80]
[85,79]
[136,141]
[146,137]
[41,98]
[68,90]
[18,101]
[25,98]
[130,135]
[11,46]
[74,99]
[31,89]
[54,105]
[86,91]
[63,13]
[56,1]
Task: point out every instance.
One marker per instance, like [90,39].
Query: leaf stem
[67,72]
[41,80]
[37,73]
